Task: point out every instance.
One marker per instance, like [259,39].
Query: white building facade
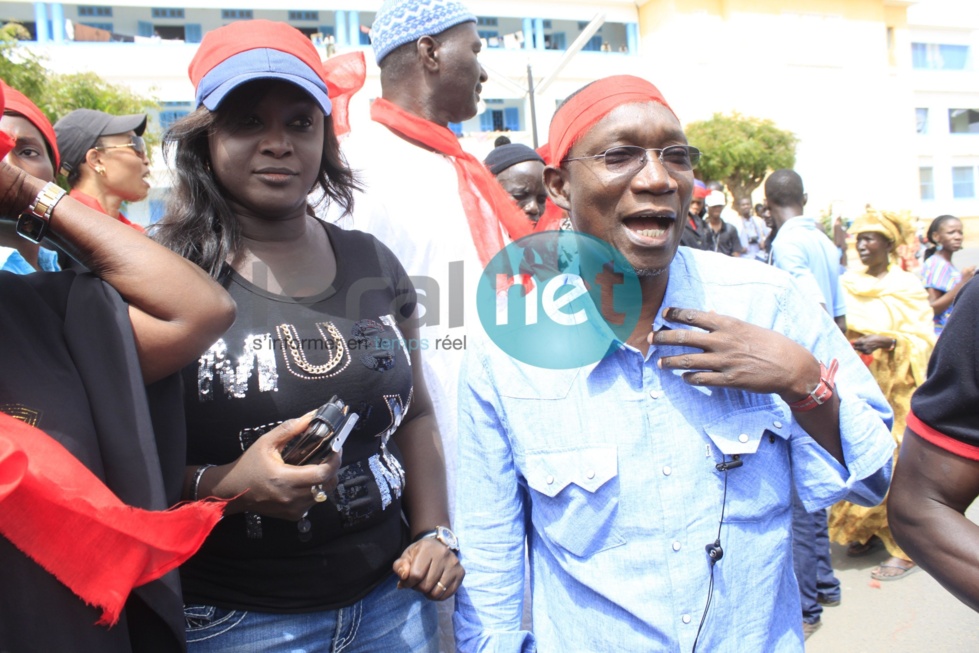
[882,94]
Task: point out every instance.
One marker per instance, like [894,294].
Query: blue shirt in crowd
[607,472]
[802,249]
[12,261]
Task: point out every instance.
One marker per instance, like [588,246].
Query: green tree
[20,67]
[59,94]
[740,150]
[89,91]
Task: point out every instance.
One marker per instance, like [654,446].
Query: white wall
[827,78]
[953,23]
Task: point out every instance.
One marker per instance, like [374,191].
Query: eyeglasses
[630,159]
[135,142]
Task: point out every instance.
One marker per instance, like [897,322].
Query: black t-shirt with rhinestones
[282,358]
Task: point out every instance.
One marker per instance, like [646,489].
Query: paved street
[911,615]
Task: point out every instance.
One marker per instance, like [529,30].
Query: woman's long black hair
[198,223]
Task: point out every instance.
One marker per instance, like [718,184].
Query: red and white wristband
[823,392]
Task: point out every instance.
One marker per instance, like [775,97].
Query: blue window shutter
[557,38]
[456,128]
[528,33]
[326,30]
[632,37]
[594,44]
[192,33]
[954,57]
[341,22]
[511,118]
[486,121]
[144,28]
[919,55]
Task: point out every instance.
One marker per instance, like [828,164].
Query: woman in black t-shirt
[321,312]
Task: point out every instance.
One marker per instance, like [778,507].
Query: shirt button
[667,470]
[676,546]
[778,425]
[550,480]
[590,474]
[685,618]
[742,438]
[655,394]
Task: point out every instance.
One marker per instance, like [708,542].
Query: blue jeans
[811,560]
[387,619]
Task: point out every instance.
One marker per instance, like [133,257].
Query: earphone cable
[710,585]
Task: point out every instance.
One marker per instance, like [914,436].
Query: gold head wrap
[896,227]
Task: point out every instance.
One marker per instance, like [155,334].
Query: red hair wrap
[18,103]
[591,104]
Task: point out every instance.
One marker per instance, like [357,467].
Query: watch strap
[33,223]
[822,393]
[437,534]
[425,534]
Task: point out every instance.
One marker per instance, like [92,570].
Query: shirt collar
[684,289]
[799,222]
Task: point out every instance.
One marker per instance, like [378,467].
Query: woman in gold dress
[889,322]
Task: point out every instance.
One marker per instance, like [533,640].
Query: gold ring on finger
[319,494]
[441,586]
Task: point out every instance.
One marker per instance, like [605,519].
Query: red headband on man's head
[591,104]
[18,103]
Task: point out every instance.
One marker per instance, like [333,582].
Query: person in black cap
[104,158]
[520,170]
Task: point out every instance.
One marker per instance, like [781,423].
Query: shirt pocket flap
[589,468]
[740,432]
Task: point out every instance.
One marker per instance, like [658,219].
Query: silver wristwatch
[444,535]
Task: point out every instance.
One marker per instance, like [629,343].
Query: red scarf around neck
[345,75]
[486,204]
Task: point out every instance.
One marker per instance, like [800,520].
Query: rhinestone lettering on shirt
[234,378]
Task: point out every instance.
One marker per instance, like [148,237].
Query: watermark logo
[558,299]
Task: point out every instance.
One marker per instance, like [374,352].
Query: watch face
[31,227]
[447,537]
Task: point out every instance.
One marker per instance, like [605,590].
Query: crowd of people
[750,412]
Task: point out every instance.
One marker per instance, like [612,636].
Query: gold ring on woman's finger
[319,494]
[441,586]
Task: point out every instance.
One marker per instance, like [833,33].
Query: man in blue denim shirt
[802,249]
[660,477]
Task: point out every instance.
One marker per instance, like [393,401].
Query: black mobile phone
[326,433]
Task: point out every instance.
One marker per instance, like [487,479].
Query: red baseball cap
[256,49]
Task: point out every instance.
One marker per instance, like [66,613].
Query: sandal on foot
[904,571]
[857,550]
